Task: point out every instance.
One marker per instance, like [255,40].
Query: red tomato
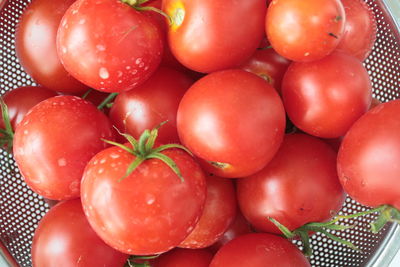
[219,211]
[359,30]
[269,65]
[239,226]
[325,97]
[148,212]
[65,238]
[184,257]
[35,43]
[232,119]
[20,100]
[368,159]
[54,142]
[259,250]
[298,186]
[305,30]
[108,45]
[205,39]
[150,104]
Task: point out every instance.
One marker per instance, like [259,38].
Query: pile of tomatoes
[228,116]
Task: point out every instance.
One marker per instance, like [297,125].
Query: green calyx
[143,149]
[132,261]
[385,213]
[137,4]
[7,134]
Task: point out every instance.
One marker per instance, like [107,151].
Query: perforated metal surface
[21,209]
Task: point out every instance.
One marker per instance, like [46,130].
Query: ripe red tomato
[368,159]
[206,40]
[65,238]
[298,186]
[184,257]
[269,65]
[219,211]
[108,45]
[20,100]
[259,250]
[150,104]
[305,30]
[54,142]
[233,120]
[359,30]
[151,210]
[35,44]
[325,97]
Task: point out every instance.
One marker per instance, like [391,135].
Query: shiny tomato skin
[359,30]
[212,35]
[232,117]
[219,211]
[150,104]
[298,186]
[325,97]
[65,238]
[368,159]
[259,250]
[20,100]
[184,257]
[35,43]
[108,45]
[150,211]
[304,30]
[269,65]
[55,140]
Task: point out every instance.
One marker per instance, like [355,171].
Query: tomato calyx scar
[6,134]
[220,165]
[143,149]
[137,4]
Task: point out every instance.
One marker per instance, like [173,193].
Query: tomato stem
[86,93]
[107,100]
[137,4]
[7,134]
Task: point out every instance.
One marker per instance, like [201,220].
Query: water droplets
[103,73]
[100,47]
[62,162]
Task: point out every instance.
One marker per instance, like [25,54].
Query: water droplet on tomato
[103,73]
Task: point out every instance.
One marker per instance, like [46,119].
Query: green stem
[108,99]
[151,8]
[86,93]
[7,134]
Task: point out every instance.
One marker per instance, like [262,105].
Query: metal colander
[21,209]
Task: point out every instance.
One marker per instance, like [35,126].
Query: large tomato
[219,211]
[109,45]
[35,43]
[233,120]
[369,156]
[211,35]
[150,104]
[65,238]
[325,97]
[259,250]
[359,30]
[151,210]
[299,185]
[54,142]
[305,30]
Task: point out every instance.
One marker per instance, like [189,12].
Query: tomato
[233,120]
[109,45]
[359,30]
[54,142]
[151,210]
[259,250]
[65,238]
[211,35]
[219,211]
[325,97]
[305,30]
[35,44]
[150,104]
[20,100]
[239,226]
[368,159]
[184,257]
[298,186]
[269,65]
